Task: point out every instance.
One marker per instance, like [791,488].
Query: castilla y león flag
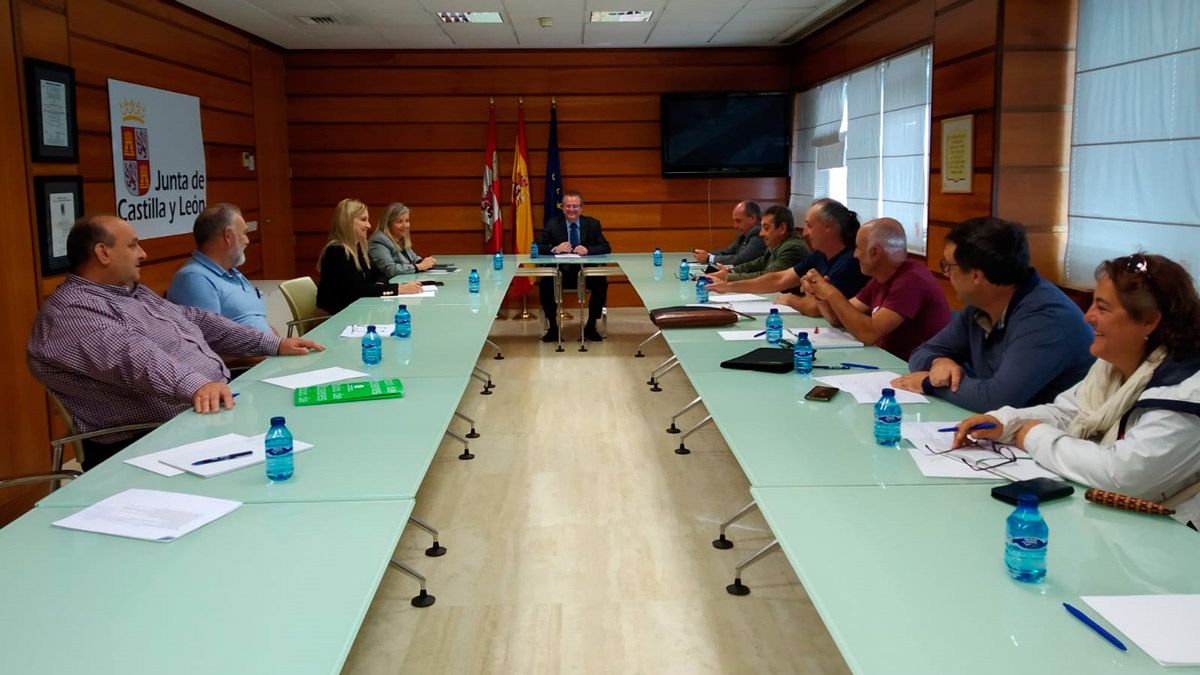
[489,204]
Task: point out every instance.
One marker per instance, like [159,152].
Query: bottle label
[1029,543]
[889,419]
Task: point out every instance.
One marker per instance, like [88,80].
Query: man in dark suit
[573,232]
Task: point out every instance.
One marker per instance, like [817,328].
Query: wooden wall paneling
[273,161]
[1041,24]
[1038,79]
[1033,196]
[464,136]
[963,29]
[174,13]
[964,86]
[1035,139]
[43,33]
[371,107]
[510,58]
[909,25]
[24,417]
[951,208]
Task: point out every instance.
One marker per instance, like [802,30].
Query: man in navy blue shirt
[1019,342]
[211,280]
[830,230]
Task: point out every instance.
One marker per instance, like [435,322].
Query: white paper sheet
[734,297]
[865,387]
[154,461]
[957,463]
[761,307]
[1164,626]
[153,515]
[357,330]
[824,338]
[255,444]
[567,255]
[314,377]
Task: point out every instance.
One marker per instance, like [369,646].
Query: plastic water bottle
[774,327]
[533,252]
[372,347]
[473,281]
[280,465]
[684,270]
[498,261]
[1025,539]
[887,419]
[701,290]
[403,322]
[658,257]
[802,355]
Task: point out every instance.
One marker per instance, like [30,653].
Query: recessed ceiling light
[626,15]
[470,17]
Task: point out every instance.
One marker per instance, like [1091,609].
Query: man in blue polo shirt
[830,229]
[211,280]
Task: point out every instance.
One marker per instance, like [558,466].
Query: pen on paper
[212,460]
[760,333]
[859,365]
[974,427]
[1087,621]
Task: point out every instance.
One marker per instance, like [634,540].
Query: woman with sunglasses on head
[391,245]
[1132,425]
[346,272]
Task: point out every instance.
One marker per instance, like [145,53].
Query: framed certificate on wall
[59,205]
[958,158]
[50,93]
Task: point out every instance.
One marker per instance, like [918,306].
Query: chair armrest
[59,442]
[65,474]
[301,322]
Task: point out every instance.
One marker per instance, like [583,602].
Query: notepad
[153,515]
[866,387]
[358,331]
[314,377]
[1164,626]
[346,392]
[567,255]
[155,461]
[735,297]
[255,445]
[761,307]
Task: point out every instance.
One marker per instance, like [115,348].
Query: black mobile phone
[821,393]
[430,282]
[1045,489]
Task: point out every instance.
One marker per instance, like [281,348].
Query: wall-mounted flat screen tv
[726,134]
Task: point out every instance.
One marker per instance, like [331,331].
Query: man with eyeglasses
[1019,342]
[573,233]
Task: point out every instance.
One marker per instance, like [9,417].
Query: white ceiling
[412,24]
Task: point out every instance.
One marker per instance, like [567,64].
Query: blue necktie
[574,235]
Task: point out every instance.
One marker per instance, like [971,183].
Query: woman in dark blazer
[346,272]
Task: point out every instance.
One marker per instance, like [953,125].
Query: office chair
[75,439]
[301,296]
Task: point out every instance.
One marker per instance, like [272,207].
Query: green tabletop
[365,450]
[912,580]
[269,588]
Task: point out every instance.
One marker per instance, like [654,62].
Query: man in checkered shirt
[116,353]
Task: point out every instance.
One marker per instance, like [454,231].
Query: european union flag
[553,204]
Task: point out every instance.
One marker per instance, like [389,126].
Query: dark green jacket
[782,257]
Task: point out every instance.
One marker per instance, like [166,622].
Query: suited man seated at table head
[210,279]
[746,246]
[574,233]
[115,353]
[1019,341]
[899,308]
[830,229]
[784,248]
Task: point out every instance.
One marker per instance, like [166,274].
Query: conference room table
[899,566]
[268,588]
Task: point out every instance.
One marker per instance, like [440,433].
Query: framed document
[50,91]
[958,159]
[59,205]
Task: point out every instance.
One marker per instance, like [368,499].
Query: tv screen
[740,134]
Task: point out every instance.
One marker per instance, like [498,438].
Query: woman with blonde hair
[1132,425]
[391,248]
[346,272]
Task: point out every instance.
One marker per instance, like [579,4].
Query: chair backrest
[301,296]
[77,446]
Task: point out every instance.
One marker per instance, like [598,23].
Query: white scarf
[1103,398]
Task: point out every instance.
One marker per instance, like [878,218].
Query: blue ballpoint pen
[760,333]
[211,460]
[1087,621]
[976,427]
[859,365]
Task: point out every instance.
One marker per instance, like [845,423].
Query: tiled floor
[579,542]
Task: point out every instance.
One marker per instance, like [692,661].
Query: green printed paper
[344,392]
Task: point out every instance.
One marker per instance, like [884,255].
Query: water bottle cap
[370,329]
[1026,499]
[774,311]
[404,307]
[888,391]
[474,270]
[657,249]
[802,335]
[276,421]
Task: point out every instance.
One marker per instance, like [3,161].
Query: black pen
[211,460]
[831,367]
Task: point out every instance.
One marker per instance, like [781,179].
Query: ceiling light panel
[622,16]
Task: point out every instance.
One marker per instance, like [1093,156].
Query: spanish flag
[522,209]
